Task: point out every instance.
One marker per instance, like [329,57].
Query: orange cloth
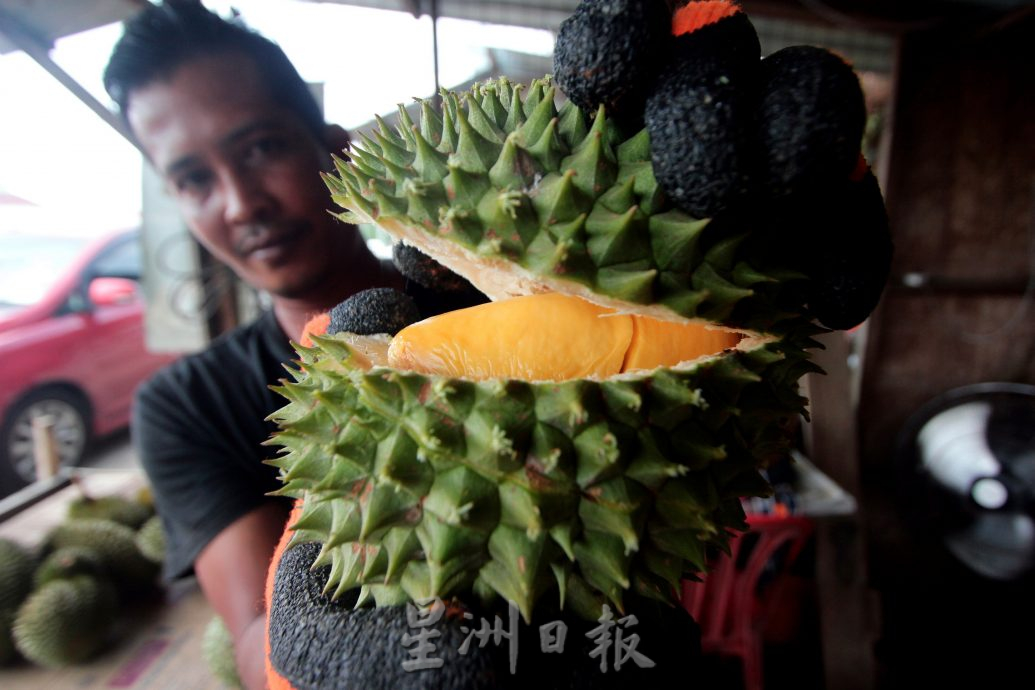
[274,681]
[314,326]
[690,18]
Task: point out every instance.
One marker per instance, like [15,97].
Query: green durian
[564,201]
[8,652]
[115,545]
[217,648]
[67,562]
[17,563]
[66,621]
[578,491]
[420,485]
[150,539]
[125,511]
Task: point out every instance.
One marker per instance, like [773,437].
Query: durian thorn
[429,161]
[449,138]
[397,154]
[361,173]
[598,130]
[515,113]
[406,125]
[333,184]
[341,165]
[539,119]
[369,144]
[388,132]
[370,160]
[549,149]
[472,153]
[430,123]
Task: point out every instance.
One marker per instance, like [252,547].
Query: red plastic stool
[731,602]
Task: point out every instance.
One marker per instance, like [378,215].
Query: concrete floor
[112,452]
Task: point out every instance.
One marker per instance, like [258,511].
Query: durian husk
[580,491]
[520,196]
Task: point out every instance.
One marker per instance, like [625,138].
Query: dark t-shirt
[198,427]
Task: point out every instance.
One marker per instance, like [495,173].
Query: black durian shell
[607,53]
[840,237]
[853,265]
[433,287]
[373,311]
[811,116]
[700,119]
[422,269]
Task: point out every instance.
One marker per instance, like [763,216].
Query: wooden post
[44,447]
[959,310]
[846,606]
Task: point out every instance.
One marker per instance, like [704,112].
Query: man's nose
[246,200]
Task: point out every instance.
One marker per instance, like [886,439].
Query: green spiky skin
[8,652]
[68,562]
[17,564]
[506,180]
[115,544]
[66,622]
[150,540]
[217,648]
[582,490]
[124,511]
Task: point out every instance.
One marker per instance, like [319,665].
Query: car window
[29,265]
[122,260]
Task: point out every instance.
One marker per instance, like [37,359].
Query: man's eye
[265,147]
[194,182]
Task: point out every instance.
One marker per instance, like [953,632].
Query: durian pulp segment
[548,337]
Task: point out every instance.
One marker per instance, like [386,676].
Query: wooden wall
[960,192]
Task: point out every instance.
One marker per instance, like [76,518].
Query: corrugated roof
[48,20]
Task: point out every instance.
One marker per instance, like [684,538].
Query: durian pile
[61,600]
[661,227]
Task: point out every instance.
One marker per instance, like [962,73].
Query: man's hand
[232,573]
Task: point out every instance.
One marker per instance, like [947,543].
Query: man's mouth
[269,244]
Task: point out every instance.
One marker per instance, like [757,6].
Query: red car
[71,343]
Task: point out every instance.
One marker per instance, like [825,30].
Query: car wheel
[71,433]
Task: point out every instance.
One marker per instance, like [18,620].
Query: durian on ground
[571,491]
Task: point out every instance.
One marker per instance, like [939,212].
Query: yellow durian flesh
[548,336]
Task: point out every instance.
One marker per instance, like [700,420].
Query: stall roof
[34,25]
[45,21]
[48,20]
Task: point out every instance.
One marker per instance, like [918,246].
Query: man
[234,131]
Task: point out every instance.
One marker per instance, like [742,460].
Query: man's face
[245,172]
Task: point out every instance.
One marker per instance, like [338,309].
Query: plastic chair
[731,602]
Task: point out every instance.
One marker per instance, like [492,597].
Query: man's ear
[336,138]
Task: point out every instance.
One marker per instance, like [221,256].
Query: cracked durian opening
[549,336]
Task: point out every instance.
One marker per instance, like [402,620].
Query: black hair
[161,38]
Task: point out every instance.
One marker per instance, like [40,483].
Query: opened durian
[589,434]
